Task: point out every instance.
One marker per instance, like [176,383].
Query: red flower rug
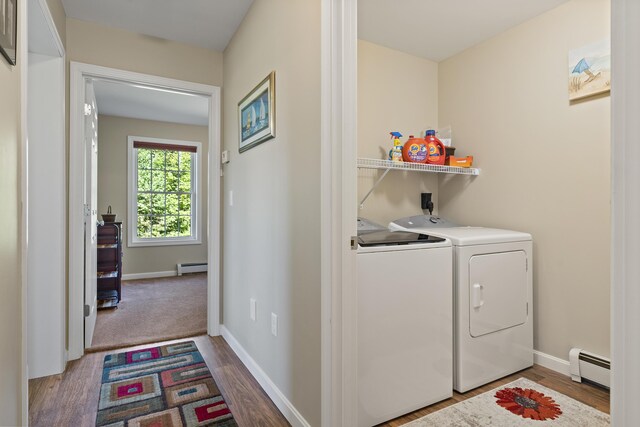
[167,386]
[520,403]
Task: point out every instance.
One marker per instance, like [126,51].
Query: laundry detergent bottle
[415,150]
[436,152]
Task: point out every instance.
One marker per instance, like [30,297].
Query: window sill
[163,242]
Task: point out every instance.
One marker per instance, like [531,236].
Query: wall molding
[551,362]
[151,275]
[279,399]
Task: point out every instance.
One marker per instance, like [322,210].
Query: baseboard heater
[590,367]
[191,267]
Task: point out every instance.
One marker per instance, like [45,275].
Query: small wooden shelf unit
[110,260]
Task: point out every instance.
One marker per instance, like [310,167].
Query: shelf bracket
[374,187]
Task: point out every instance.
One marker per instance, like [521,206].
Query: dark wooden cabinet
[109,263]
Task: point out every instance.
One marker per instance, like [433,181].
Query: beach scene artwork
[590,70]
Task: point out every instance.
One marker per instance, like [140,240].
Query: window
[163,192]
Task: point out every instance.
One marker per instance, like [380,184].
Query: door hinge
[527,309]
[354,243]
[87,310]
[527,264]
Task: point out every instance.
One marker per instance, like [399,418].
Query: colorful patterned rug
[520,403]
[167,386]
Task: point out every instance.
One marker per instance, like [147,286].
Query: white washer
[405,317]
[493,306]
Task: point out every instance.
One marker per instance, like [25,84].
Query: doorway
[80,74]
[151,175]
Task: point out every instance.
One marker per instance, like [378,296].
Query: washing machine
[404,323]
[367,226]
[493,307]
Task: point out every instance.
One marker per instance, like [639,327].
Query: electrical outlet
[274,324]
[252,309]
[230,197]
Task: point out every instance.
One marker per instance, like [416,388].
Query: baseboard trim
[551,362]
[152,275]
[284,405]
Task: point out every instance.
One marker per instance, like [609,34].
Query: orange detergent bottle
[435,149]
[414,150]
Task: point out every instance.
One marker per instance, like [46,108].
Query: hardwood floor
[585,393]
[71,399]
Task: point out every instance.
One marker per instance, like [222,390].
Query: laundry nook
[454,147]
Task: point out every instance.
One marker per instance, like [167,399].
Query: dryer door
[497,291]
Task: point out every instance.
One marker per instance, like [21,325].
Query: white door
[90,212]
[497,291]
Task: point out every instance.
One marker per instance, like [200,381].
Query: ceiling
[432,29]
[438,29]
[206,23]
[139,102]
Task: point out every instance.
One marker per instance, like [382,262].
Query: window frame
[132,196]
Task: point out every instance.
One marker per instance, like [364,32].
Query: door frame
[625,197]
[78,73]
[339,115]
[339,44]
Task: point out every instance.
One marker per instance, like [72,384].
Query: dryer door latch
[477,299]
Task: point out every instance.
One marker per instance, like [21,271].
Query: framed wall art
[8,29]
[256,114]
[590,70]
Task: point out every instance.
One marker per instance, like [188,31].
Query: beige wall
[110,47]
[271,232]
[59,18]
[112,188]
[10,285]
[545,165]
[396,92]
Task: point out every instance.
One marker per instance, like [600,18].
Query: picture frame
[8,29]
[256,114]
[589,70]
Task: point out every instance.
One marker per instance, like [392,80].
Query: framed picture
[256,114]
[590,70]
[8,29]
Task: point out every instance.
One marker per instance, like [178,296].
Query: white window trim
[132,220]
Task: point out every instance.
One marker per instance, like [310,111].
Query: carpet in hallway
[154,310]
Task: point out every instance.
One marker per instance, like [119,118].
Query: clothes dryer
[493,307]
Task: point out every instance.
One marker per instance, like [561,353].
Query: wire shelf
[417,167]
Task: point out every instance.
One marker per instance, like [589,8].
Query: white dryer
[405,321]
[493,307]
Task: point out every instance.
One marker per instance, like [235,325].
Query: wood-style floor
[71,399]
[585,393]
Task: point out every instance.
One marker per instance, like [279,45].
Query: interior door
[90,212]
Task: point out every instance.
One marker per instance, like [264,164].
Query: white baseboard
[284,405]
[152,275]
[551,362]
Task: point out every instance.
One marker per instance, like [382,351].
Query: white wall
[47,217]
[396,92]
[112,188]
[545,165]
[271,233]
